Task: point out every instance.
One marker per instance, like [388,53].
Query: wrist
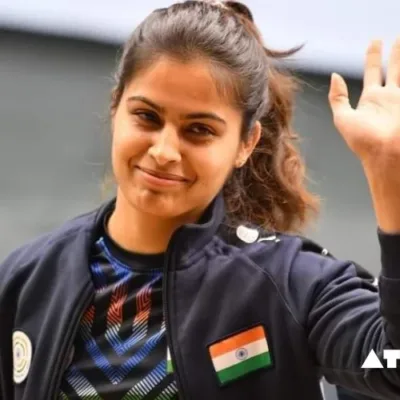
[384,185]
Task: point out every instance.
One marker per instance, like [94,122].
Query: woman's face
[175,140]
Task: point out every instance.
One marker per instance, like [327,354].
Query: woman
[172,290]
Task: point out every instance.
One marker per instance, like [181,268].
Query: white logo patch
[22,356]
[247,235]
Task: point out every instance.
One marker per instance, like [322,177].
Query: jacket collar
[191,238]
[188,239]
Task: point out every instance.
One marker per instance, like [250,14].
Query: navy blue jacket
[321,317]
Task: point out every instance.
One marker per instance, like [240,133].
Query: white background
[335,32]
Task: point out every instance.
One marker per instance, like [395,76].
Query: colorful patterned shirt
[120,350]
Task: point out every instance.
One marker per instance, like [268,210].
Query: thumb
[338,95]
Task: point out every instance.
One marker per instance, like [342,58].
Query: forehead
[191,84]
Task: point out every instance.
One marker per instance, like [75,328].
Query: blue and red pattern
[120,350]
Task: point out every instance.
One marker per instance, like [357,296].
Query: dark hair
[269,190]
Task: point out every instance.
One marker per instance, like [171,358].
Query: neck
[141,232]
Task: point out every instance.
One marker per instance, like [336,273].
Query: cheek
[213,167]
[127,143]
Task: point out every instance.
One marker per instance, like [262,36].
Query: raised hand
[372,129]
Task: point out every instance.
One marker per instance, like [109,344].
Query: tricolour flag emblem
[240,354]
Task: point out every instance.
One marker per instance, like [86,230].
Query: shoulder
[300,268]
[50,243]
[273,251]
[274,248]
[306,275]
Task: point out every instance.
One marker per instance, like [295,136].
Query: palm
[373,128]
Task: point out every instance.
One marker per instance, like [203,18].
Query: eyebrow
[161,110]
[205,115]
[148,102]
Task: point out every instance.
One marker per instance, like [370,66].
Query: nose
[165,147]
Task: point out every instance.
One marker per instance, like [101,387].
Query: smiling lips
[163,175]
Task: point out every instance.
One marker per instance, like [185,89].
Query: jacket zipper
[168,322]
[66,347]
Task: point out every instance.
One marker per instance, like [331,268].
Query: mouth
[163,175]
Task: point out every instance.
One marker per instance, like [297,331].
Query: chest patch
[22,356]
[240,354]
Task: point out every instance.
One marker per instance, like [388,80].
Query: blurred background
[56,65]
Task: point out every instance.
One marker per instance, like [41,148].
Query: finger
[393,71]
[373,64]
[338,95]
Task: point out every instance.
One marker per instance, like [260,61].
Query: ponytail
[270,189]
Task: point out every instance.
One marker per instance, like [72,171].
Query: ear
[247,147]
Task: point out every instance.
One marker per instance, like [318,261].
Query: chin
[160,204]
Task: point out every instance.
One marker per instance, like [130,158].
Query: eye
[147,116]
[201,130]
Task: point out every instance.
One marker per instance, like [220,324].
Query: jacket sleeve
[345,318]
[344,394]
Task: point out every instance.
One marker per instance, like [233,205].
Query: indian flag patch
[240,354]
